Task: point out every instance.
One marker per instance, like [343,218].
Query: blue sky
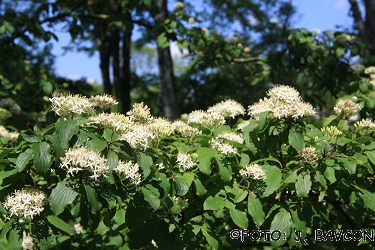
[321,14]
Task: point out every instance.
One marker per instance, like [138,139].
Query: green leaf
[188,177]
[225,170]
[200,189]
[273,179]
[239,218]
[291,177]
[136,212]
[42,157]
[211,240]
[282,222]
[145,163]
[60,224]
[32,137]
[320,178]
[240,195]
[303,185]
[96,144]
[348,165]
[295,140]
[214,203]
[263,121]
[255,209]
[65,130]
[151,195]
[371,146]
[162,41]
[204,158]
[339,51]
[326,121]
[61,196]
[181,186]
[112,160]
[23,159]
[298,226]
[245,159]
[371,156]
[367,197]
[91,195]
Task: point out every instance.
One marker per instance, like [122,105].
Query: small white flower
[81,159]
[27,241]
[117,122]
[348,107]
[207,120]
[185,130]
[224,148]
[227,108]
[128,170]
[78,228]
[139,137]
[25,202]
[232,136]
[140,113]
[64,105]
[187,161]
[103,101]
[254,171]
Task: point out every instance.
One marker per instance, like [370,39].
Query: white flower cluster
[223,147]
[185,130]
[179,5]
[331,132]
[161,127]
[232,136]
[348,107]
[4,114]
[103,101]
[78,228]
[346,37]
[254,171]
[371,72]
[25,202]
[139,137]
[27,241]
[64,105]
[128,170]
[140,113]
[315,31]
[227,108]
[367,125]
[183,204]
[187,161]
[117,122]
[282,101]
[205,119]
[243,124]
[7,134]
[308,155]
[81,158]
[11,105]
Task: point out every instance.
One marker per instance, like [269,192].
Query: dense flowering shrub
[97,180]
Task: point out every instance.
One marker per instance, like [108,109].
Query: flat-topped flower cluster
[283,102]
[26,202]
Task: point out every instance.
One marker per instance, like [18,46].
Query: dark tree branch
[357,15]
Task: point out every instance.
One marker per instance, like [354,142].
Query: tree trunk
[126,77]
[115,44]
[169,98]
[101,38]
[370,23]
[357,15]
